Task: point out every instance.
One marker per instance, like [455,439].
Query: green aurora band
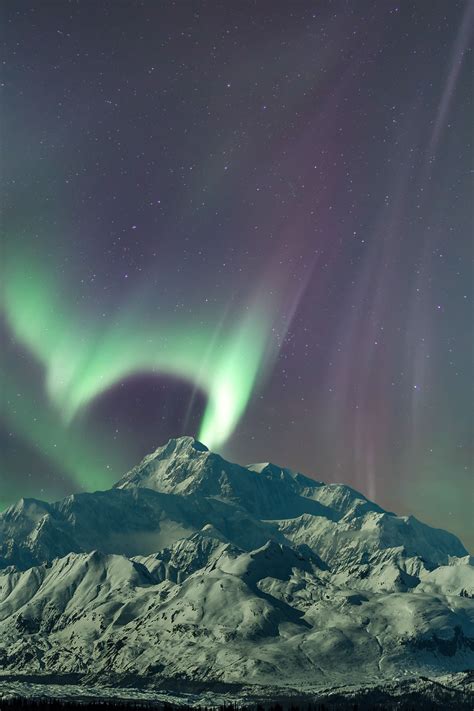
[83,359]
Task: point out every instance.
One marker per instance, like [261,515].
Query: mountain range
[197,575]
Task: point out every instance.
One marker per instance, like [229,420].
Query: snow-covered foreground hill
[195,571]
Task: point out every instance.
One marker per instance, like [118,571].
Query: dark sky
[246,221]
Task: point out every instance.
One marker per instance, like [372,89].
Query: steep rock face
[31,532]
[186,467]
[197,568]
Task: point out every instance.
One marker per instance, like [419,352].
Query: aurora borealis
[250,222]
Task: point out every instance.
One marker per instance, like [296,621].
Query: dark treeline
[122,705]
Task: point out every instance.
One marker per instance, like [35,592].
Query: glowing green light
[83,358]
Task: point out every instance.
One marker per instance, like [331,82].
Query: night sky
[246,221]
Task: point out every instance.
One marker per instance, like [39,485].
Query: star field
[250,222]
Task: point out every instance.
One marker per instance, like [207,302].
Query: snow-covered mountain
[197,570]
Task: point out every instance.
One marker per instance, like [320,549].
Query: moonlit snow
[195,571]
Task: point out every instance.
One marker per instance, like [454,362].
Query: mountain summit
[174,468]
[196,570]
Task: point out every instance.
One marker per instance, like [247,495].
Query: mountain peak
[168,466]
[182,444]
[190,554]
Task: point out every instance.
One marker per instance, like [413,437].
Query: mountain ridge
[182,483]
[196,568]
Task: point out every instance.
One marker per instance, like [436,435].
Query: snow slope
[196,569]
